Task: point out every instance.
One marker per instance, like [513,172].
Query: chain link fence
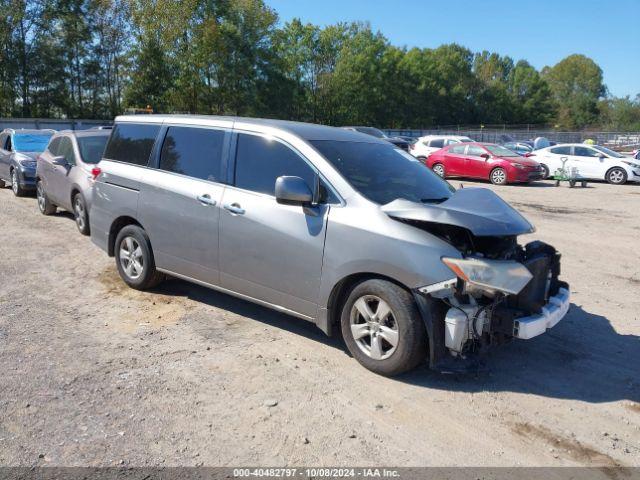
[498,134]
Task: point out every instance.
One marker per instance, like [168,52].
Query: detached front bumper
[554,311]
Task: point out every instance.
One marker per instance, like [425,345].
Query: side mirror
[486,156]
[59,160]
[293,191]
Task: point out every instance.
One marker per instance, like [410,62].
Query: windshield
[31,142]
[92,148]
[465,140]
[499,151]
[374,132]
[383,173]
[606,151]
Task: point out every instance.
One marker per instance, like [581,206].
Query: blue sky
[541,32]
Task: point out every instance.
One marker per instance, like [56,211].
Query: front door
[269,251]
[180,199]
[588,162]
[58,186]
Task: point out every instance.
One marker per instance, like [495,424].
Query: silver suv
[64,173]
[329,225]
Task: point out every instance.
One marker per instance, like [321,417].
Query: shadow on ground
[582,358]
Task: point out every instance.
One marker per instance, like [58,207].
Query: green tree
[151,77]
[576,85]
[530,95]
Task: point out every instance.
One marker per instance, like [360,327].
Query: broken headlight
[491,275]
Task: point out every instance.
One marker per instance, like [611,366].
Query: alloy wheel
[42,201]
[14,182]
[78,208]
[498,176]
[438,170]
[616,176]
[374,327]
[131,258]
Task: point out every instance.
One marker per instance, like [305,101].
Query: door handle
[206,199]
[234,208]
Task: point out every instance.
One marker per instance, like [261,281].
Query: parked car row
[329,225]
[522,162]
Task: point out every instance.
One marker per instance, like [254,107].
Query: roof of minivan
[306,131]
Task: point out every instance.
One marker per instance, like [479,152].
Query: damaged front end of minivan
[498,290]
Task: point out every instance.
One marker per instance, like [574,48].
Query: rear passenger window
[458,149]
[131,143]
[561,150]
[259,161]
[196,152]
[437,143]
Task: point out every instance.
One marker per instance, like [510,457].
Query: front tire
[80,214]
[134,259]
[382,328]
[17,189]
[44,205]
[498,176]
[616,176]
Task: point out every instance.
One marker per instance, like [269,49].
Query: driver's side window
[585,152]
[260,161]
[65,149]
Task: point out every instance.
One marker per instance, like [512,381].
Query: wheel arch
[117,225]
[429,310]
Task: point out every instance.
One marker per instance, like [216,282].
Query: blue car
[19,150]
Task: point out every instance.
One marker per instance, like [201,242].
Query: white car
[425,146]
[589,162]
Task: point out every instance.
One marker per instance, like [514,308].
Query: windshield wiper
[434,200]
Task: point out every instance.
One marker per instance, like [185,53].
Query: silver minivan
[332,226]
[64,173]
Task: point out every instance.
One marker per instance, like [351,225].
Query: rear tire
[44,205]
[545,171]
[439,170]
[134,259]
[2,184]
[370,336]
[616,176]
[80,214]
[498,176]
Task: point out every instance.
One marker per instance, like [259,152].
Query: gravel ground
[95,374]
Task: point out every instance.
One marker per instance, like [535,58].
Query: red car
[486,161]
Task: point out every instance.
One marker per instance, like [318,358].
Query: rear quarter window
[132,143]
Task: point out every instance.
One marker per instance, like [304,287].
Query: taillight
[95,172]
[529,154]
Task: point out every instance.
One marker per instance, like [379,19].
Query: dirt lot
[93,373]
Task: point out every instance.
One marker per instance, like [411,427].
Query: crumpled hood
[479,210]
